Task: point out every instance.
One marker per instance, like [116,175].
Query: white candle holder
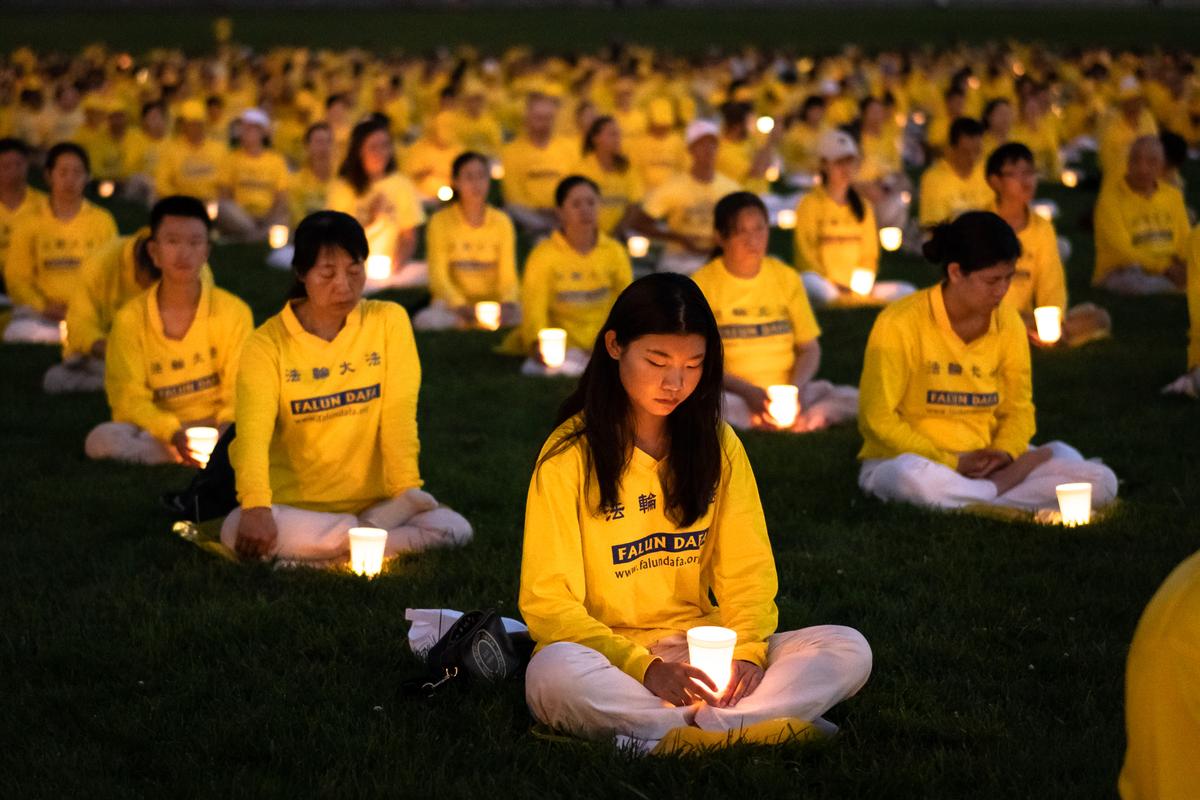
[765,124]
[277,236]
[201,441]
[783,404]
[445,194]
[710,648]
[1046,209]
[786,219]
[366,551]
[638,246]
[1049,323]
[106,189]
[891,238]
[379,268]
[497,171]
[1074,503]
[862,281]
[487,314]
[211,208]
[1070,178]
[552,344]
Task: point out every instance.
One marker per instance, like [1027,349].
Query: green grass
[136,665]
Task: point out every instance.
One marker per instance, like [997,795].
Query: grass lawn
[137,665]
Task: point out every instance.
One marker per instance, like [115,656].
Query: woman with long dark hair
[946,393]
[327,415]
[642,511]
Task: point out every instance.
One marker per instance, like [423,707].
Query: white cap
[256,116]
[830,86]
[700,128]
[835,145]
[1129,88]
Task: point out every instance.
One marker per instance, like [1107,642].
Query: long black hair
[352,170]
[662,303]
[975,240]
[319,230]
[589,141]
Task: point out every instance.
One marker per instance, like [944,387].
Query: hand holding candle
[201,441]
[783,404]
[710,647]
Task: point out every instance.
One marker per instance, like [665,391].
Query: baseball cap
[835,145]
[698,129]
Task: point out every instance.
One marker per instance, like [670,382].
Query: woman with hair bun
[946,396]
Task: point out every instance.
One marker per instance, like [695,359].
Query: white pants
[414,521]
[30,327]
[823,292]
[124,441]
[575,689]
[76,374]
[681,263]
[237,224]
[437,316]
[536,222]
[910,478]
[572,367]
[823,404]
[1136,281]
[281,257]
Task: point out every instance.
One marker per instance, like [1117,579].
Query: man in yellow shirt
[534,163]
[1162,693]
[1129,121]
[660,153]
[191,164]
[1141,227]
[253,183]
[141,151]
[427,160]
[309,187]
[172,357]
[16,195]
[956,183]
[685,203]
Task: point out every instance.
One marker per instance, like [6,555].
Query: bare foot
[1006,478]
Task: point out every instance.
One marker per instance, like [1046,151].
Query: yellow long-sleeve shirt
[658,158]
[45,253]
[880,155]
[1042,138]
[620,579]
[531,173]
[799,147]
[1131,228]
[107,281]
[481,134]
[399,209]
[103,152]
[469,264]
[1040,279]
[619,189]
[1162,693]
[945,194]
[1193,299]
[306,194]
[140,154]
[32,202]
[255,181]
[830,241]
[1116,136]
[328,426]
[162,384]
[761,319]
[563,288]
[687,205]
[924,391]
[428,165]
[195,171]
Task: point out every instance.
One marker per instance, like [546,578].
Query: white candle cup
[379,268]
[711,649]
[62,330]
[106,188]
[200,442]
[1070,178]
[277,236]
[638,246]
[487,314]
[786,219]
[552,344]
[783,404]
[918,118]
[445,194]
[1046,209]
[1074,503]
[1049,323]
[862,281]
[765,124]
[497,171]
[891,238]
[772,173]
[212,208]
[366,550]
[906,197]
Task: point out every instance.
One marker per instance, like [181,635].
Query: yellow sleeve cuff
[754,652]
[637,664]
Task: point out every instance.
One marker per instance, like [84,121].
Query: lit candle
[497,171]
[906,197]
[783,404]
[711,649]
[277,236]
[379,268]
[1046,209]
[487,314]
[200,442]
[1070,178]
[900,119]
[552,344]
[786,219]
[1074,503]
[212,208]
[62,330]
[445,194]
[765,124]
[918,118]
[638,246]
[1049,323]
[105,189]
[366,550]
[891,238]
[772,173]
[143,75]
[862,281]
